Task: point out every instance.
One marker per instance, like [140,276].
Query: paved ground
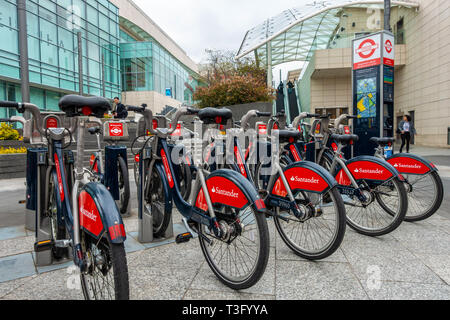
[411,263]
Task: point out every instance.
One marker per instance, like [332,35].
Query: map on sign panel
[367,98]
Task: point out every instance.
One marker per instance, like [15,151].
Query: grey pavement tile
[8,287]
[207,280]
[16,267]
[12,232]
[153,275]
[132,245]
[298,280]
[423,238]
[354,241]
[283,252]
[440,222]
[55,285]
[439,264]
[224,296]
[399,265]
[410,291]
[131,224]
[171,259]
[16,246]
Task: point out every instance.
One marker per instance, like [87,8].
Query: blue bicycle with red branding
[372,188]
[422,181]
[294,193]
[83,216]
[224,208]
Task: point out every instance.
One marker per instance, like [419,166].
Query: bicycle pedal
[62,243]
[183,238]
[42,246]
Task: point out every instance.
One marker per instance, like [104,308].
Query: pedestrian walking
[407,131]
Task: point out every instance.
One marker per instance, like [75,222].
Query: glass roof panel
[295,33]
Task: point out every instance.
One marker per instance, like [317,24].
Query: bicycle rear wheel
[124,186]
[106,277]
[155,203]
[425,195]
[240,260]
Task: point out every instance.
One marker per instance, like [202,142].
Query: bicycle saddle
[215,116]
[382,141]
[74,106]
[289,135]
[345,139]
[94,130]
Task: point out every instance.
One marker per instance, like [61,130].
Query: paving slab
[132,245]
[10,286]
[16,267]
[410,291]
[57,285]
[193,294]
[298,280]
[12,232]
[16,246]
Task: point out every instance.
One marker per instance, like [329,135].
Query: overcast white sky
[197,25]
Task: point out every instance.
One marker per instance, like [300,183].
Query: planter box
[12,143]
[13,166]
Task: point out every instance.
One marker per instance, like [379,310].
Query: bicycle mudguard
[411,164]
[231,189]
[367,168]
[98,213]
[304,176]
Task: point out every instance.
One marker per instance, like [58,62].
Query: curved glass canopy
[295,34]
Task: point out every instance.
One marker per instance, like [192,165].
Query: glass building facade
[52,28]
[147,66]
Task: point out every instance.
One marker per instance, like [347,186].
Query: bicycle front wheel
[240,259]
[321,234]
[382,213]
[106,277]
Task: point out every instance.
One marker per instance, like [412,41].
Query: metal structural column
[269,71]
[80,63]
[23,50]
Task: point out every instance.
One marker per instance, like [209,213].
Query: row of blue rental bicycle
[245,177]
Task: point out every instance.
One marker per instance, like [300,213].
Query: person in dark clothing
[120,111]
[407,131]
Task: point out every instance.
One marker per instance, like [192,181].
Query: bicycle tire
[125,196]
[117,258]
[333,245]
[436,203]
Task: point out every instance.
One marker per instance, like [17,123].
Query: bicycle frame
[200,208]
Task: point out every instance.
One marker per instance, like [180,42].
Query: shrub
[7,132]
[12,150]
[236,89]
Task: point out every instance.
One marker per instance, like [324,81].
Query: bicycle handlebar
[253,114]
[36,115]
[343,117]
[148,116]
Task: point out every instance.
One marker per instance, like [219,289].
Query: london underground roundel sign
[367,52]
[388,46]
[367,48]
